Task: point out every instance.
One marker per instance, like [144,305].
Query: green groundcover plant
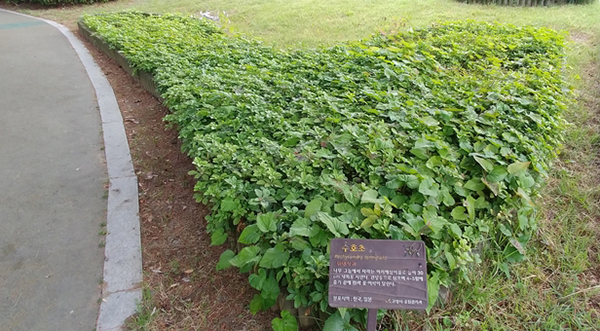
[442,134]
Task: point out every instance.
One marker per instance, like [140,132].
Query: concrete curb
[123,258]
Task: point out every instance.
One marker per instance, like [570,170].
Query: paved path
[52,174]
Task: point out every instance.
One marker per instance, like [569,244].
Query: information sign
[385,274]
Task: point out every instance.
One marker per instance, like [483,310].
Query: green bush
[58,2]
[442,134]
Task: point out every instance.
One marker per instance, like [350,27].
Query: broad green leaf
[460,190]
[257,280]
[370,196]
[430,121]
[424,143]
[511,138]
[377,209]
[523,221]
[456,229]
[343,208]
[412,181]
[312,208]
[275,257]
[335,226]
[518,168]
[399,200]
[432,220]
[394,184]
[434,162]
[458,213]
[218,237]
[336,322]
[505,230]
[383,144]
[266,222]
[526,181]
[257,304]
[351,195]
[301,227]
[397,234]
[229,204]
[481,203]
[420,153]
[474,184]
[367,212]
[429,187]
[246,255]
[287,322]
[497,174]
[416,224]
[447,198]
[318,236]
[465,145]
[270,288]
[494,187]
[433,289]
[451,260]
[485,164]
[471,207]
[299,244]
[368,222]
[525,196]
[512,255]
[250,235]
[224,260]
[479,146]
[291,142]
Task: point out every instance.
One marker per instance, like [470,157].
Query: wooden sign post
[373,274]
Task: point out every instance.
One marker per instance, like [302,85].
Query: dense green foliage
[442,134]
[59,2]
[529,2]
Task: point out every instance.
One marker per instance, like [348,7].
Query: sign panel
[386,274]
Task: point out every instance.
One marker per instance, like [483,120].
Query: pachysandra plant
[442,134]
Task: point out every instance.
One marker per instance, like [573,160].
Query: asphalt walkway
[52,177]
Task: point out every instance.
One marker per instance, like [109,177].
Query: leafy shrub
[442,134]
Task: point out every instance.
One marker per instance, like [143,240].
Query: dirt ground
[183,290]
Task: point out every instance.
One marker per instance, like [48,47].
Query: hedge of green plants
[59,2]
[442,134]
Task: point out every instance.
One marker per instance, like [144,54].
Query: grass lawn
[312,22]
[558,286]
